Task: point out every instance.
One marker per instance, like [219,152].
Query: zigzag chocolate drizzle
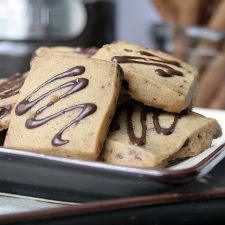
[11,86]
[130,130]
[76,85]
[140,141]
[161,130]
[165,69]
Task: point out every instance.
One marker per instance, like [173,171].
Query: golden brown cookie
[65,50]
[143,136]
[65,107]
[153,77]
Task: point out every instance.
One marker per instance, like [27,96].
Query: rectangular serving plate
[72,180]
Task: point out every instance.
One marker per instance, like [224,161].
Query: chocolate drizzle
[130,130]
[161,130]
[74,85]
[171,62]
[168,73]
[4,110]
[140,141]
[12,86]
[150,59]
[186,143]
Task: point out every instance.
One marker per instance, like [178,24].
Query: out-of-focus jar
[203,48]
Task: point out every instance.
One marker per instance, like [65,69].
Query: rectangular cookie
[65,107]
[152,77]
[65,50]
[9,92]
[143,136]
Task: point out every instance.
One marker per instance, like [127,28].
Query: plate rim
[156,173]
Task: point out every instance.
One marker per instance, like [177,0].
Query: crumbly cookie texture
[65,107]
[143,136]
[9,92]
[153,77]
[65,50]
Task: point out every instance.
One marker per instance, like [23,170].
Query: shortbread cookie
[143,136]
[65,107]
[9,92]
[64,50]
[153,77]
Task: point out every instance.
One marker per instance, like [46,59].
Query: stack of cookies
[124,104]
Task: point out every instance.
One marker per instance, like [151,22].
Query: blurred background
[191,30]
